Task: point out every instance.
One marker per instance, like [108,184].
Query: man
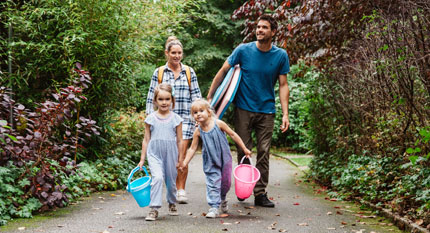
[262,65]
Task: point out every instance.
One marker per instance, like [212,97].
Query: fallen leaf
[226,223]
[21,228]
[419,222]
[60,225]
[337,207]
[101,198]
[278,215]
[240,211]
[225,229]
[333,199]
[110,226]
[223,215]
[282,230]
[296,203]
[338,212]
[273,226]
[303,224]
[203,214]
[113,195]
[329,213]
[344,223]
[237,222]
[249,207]
[189,213]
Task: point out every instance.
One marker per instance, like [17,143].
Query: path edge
[402,223]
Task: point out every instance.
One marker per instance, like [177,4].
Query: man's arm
[284,97]
[218,79]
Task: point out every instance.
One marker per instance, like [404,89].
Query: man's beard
[264,40]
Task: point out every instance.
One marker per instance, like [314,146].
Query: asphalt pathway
[298,209]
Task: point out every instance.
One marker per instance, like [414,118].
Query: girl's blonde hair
[163,87]
[203,103]
[172,40]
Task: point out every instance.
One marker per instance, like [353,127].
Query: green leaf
[11,137]
[410,151]
[413,159]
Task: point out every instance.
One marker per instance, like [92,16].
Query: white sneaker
[181,197]
[172,210]
[213,213]
[224,206]
[152,215]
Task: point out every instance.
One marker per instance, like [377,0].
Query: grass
[302,161]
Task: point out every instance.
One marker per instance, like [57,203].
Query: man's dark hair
[271,20]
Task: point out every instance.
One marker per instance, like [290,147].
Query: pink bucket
[245,178]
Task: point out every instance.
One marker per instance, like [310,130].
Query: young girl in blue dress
[217,160]
[162,145]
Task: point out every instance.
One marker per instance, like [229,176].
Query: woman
[186,89]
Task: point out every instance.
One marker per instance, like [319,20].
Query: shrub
[40,146]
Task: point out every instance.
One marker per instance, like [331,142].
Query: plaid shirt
[184,96]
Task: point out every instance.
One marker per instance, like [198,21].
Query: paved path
[298,209]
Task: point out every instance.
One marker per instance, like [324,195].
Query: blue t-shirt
[260,71]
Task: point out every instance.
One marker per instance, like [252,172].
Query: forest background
[75,74]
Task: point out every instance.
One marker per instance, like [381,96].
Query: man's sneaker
[181,197]
[152,215]
[224,206]
[172,210]
[240,199]
[213,213]
[262,200]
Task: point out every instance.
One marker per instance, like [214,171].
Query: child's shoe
[152,215]
[213,213]
[224,206]
[181,196]
[172,210]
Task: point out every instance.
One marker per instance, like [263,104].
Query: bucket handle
[131,175]
[250,161]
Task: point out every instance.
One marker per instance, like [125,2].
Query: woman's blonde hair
[172,40]
[164,87]
[203,103]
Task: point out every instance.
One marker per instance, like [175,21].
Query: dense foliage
[114,40]
[210,39]
[369,107]
[33,147]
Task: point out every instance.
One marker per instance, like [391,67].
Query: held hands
[181,165]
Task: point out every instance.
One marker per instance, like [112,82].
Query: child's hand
[182,165]
[248,153]
[140,165]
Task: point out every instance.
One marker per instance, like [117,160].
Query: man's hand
[285,123]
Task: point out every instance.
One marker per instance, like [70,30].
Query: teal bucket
[140,188]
